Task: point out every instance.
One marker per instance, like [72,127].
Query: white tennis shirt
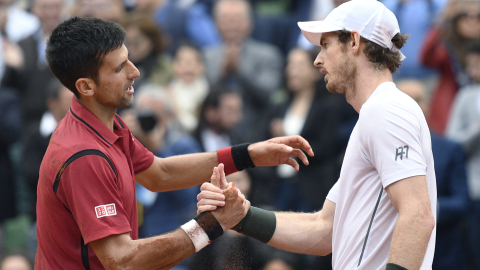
[390,142]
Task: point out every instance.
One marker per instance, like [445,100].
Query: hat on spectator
[369,17]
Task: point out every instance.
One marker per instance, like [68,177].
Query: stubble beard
[344,80]
[124,102]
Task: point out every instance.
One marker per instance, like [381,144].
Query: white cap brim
[313,30]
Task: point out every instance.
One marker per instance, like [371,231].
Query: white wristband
[196,233]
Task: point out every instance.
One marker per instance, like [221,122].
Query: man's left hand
[279,151]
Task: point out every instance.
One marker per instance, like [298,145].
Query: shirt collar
[93,123]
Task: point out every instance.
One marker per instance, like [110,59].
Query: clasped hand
[233,202]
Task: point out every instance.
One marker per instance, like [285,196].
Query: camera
[148,120]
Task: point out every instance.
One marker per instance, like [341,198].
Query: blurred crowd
[215,73]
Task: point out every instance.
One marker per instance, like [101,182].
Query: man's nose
[134,73]
[319,60]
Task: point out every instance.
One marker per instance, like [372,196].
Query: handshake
[222,206]
[227,203]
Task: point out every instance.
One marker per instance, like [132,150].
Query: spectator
[153,123]
[10,125]
[182,20]
[16,23]
[146,45]
[110,10]
[252,67]
[220,115]
[444,50]
[189,86]
[464,128]
[414,17]
[16,261]
[452,191]
[33,75]
[59,99]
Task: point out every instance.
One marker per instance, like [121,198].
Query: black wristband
[241,157]
[392,266]
[258,223]
[210,225]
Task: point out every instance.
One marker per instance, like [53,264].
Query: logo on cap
[105,210]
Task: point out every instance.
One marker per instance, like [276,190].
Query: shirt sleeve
[391,141]
[333,193]
[88,189]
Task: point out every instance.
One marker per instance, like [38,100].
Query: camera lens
[148,120]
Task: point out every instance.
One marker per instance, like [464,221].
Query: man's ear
[86,86]
[355,41]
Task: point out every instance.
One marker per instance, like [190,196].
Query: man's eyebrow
[123,63]
[322,40]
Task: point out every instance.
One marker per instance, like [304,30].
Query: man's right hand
[235,206]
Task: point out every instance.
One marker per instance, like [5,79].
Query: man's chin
[127,103]
[332,89]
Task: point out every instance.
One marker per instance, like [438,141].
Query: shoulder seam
[74,157]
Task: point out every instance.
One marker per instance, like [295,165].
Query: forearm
[410,240]
[185,171]
[303,233]
[159,252]
[167,250]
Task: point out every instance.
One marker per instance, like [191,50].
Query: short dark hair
[380,57]
[77,47]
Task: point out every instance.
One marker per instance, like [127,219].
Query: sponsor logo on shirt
[400,151]
[105,210]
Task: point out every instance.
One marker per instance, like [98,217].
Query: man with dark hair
[220,115]
[381,213]
[86,207]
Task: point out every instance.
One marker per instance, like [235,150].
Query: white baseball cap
[370,18]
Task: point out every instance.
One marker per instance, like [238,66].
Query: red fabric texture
[225,156]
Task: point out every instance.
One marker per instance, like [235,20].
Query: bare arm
[415,221]
[159,252]
[307,233]
[184,171]
[178,172]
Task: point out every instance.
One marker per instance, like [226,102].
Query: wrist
[202,230]
[235,158]
[258,223]
[241,156]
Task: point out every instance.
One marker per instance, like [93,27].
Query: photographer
[152,122]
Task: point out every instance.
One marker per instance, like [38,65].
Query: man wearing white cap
[381,213]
